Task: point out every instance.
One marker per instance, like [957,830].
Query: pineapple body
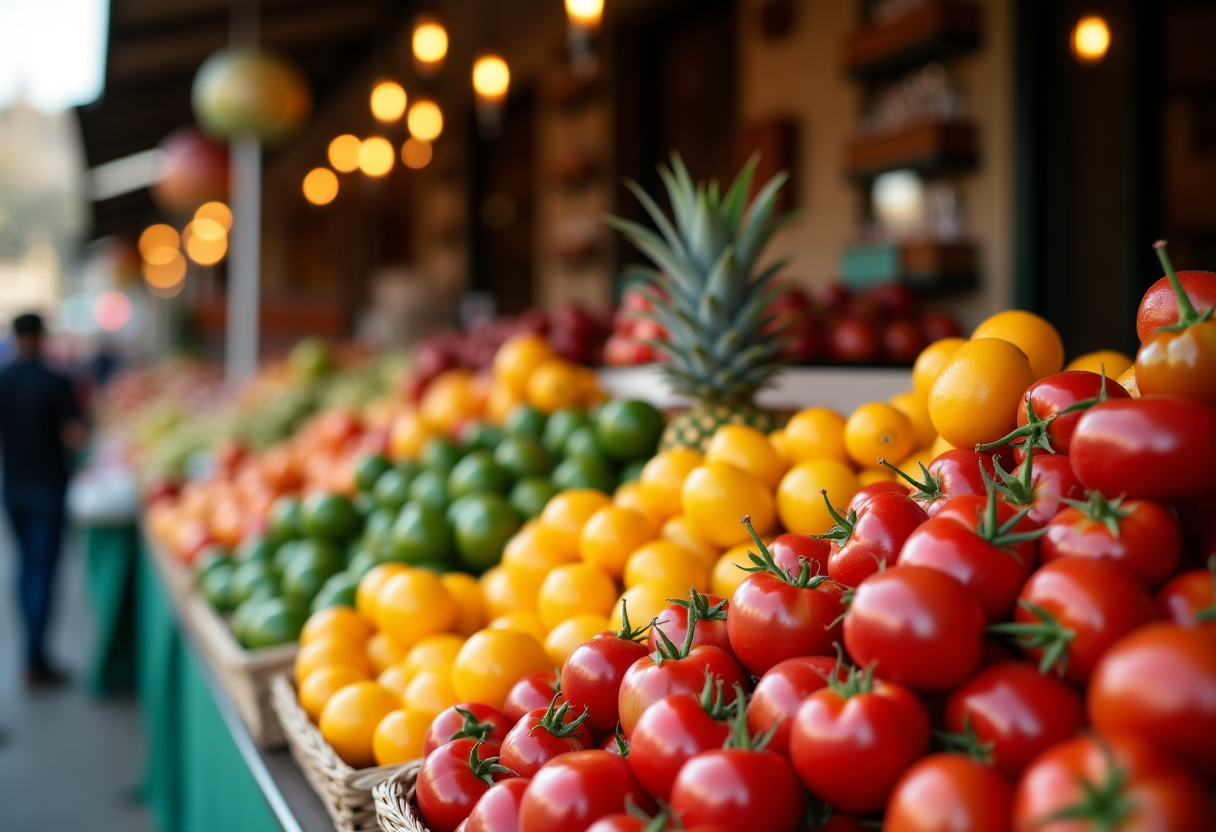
[695,427]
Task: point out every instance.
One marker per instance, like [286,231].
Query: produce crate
[395,809]
[345,791]
[245,674]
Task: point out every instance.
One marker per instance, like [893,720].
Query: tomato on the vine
[863,494]
[1180,359]
[712,613]
[592,675]
[781,690]
[1040,484]
[869,537]
[950,791]
[1053,406]
[674,730]
[791,549]
[1159,306]
[574,790]
[471,720]
[542,735]
[958,472]
[451,780]
[533,690]
[1189,599]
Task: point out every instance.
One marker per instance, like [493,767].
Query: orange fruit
[977,393]
[561,523]
[369,588]
[777,440]
[717,495]
[665,561]
[507,589]
[330,650]
[750,451]
[611,535]
[917,412]
[869,476]
[680,531]
[413,604]
[398,737]
[465,591]
[815,433]
[407,435]
[500,401]
[383,652]
[939,447]
[799,501]
[349,719]
[629,495]
[576,630]
[663,478]
[393,678]
[432,651]
[1033,335]
[929,363]
[1113,362]
[555,384]
[324,682]
[451,399]
[338,621]
[518,357]
[1128,382]
[878,430]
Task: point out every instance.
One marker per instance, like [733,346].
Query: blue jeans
[36,513]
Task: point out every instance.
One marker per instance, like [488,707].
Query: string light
[320,186]
[344,153]
[416,153]
[376,156]
[430,41]
[388,101]
[586,13]
[491,77]
[1090,39]
[425,120]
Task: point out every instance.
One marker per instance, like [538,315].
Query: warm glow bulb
[430,42]
[1090,39]
[217,211]
[159,243]
[166,275]
[344,153]
[376,156]
[585,12]
[320,186]
[491,77]
[388,101]
[203,245]
[425,121]
[416,153]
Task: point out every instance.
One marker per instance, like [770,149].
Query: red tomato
[938,325]
[851,741]
[853,341]
[1113,784]
[1072,610]
[790,550]
[1159,683]
[451,780]
[474,720]
[902,341]
[573,791]
[498,809]
[950,791]
[592,674]
[918,626]
[955,473]
[671,732]
[779,693]
[1039,485]
[542,735]
[740,789]
[1159,306]
[982,543]
[1140,536]
[711,613]
[1155,448]
[534,690]
[1042,424]
[871,536]
[1189,600]
[1017,710]
[666,673]
[623,351]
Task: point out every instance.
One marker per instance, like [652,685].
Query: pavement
[67,761]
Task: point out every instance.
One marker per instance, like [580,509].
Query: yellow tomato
[330,650]
[727,573]
[574,588]
[451,399]
[1128,382]
[1034,336]
[522,553]
[430,690]
[717,495]
[369,588]
[324,682]
[611,535]
[437,650]
[506,590]
[407,436]
[629,495]
[465,591]
[878,431]
[799,501]
[939,447]
[910,464]
[500,401]
[525,621]
[349,719]
[491,661]
[815,433]
[777,440]
[929,363]
[382,652]
[413,604]
[976,395]
[1112,362]
[400,735]
[750,451]
[665,561]
[645,601]
[393,678]
[518,358]
[662,481]
[554,384]
[561,523]
[337,621]
[917,412]
[571,633]
[680,531]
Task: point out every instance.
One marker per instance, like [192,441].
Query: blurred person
[40,425]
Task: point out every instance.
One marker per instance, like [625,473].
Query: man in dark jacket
[40,424]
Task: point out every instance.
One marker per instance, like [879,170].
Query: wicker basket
[345,791]
[394,797]
[245,674]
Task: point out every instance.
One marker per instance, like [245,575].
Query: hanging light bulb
[388,101]
[491,77]
[425,120]
[586,13]
[429,43]
[320,186]
[344,153]
[1090,39]
[376,156]
[584,23]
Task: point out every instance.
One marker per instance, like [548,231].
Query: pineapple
[709,296]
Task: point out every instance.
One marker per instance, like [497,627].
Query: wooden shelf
[944,147]
[926,266]
[936,31]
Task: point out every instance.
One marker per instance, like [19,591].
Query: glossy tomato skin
[1159,306]
[950,791]
[868,491]
[534,690]
[949,543]
[1154,448]
[1017,709]
[1189,599]
[790,549]
[920,627]
[957,472]
[447,789]
[1048,396]
[1161,795]
[648,681]
[591,677]
[573,791]
[883,523]
[1051,480]
[1159,683]
[1180,363]
[1148,543]
[781,691]
[498,808]
[851,751]
[773,620]
[1097,601]
[444,726]
[529,745]
[670,733]
[738,789]
[673,621]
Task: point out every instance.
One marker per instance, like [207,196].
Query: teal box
[869,265]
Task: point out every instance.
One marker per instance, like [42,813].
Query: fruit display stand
[395,808]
